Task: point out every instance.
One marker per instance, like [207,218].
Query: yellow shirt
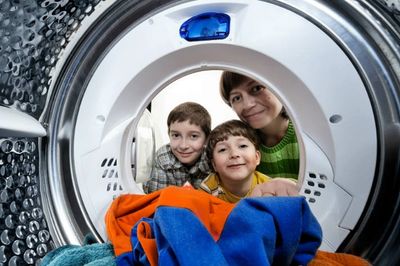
[213,185]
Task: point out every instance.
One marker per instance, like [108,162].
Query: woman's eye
[243,146]
[195,136]
[235,99]
[257,88]
[221,150]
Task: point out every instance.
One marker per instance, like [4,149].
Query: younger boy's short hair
[194,113]
[230,80]
[229,128]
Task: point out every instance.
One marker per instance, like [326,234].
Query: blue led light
[206,26]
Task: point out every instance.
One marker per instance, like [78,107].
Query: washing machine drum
[77,79]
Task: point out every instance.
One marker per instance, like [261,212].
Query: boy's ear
[213,164]
[258,156]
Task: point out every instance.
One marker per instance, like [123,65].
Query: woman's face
[255,104]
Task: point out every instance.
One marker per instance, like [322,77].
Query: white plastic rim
[308,71]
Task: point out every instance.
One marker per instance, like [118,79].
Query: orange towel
[324,258]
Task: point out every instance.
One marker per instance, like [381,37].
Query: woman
[261,109]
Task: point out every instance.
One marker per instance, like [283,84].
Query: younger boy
[183,159]
[233,151]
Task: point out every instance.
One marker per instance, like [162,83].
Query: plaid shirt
[168,170]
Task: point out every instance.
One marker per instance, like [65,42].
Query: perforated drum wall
[33,34]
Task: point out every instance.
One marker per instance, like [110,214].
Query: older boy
[233,151]
[183,159]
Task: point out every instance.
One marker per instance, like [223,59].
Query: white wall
[201,87]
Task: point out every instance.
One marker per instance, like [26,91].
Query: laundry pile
[179,226]
[183,226]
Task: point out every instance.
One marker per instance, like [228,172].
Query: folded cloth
[323,258]
[180,226]
[100,254]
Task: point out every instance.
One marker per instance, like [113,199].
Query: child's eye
[194,136]
[221,150]
[243,146]
[174,135]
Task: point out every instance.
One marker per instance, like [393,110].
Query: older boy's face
[187,141]
[235,159]
[255,104]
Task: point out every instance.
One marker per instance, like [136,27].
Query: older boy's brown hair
[231,128]
[230,80]
[194,113]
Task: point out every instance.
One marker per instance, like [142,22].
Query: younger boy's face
[186,141]
[235,159]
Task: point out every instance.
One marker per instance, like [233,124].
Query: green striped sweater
[281,160]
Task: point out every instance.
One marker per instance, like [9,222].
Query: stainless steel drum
[77,76]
